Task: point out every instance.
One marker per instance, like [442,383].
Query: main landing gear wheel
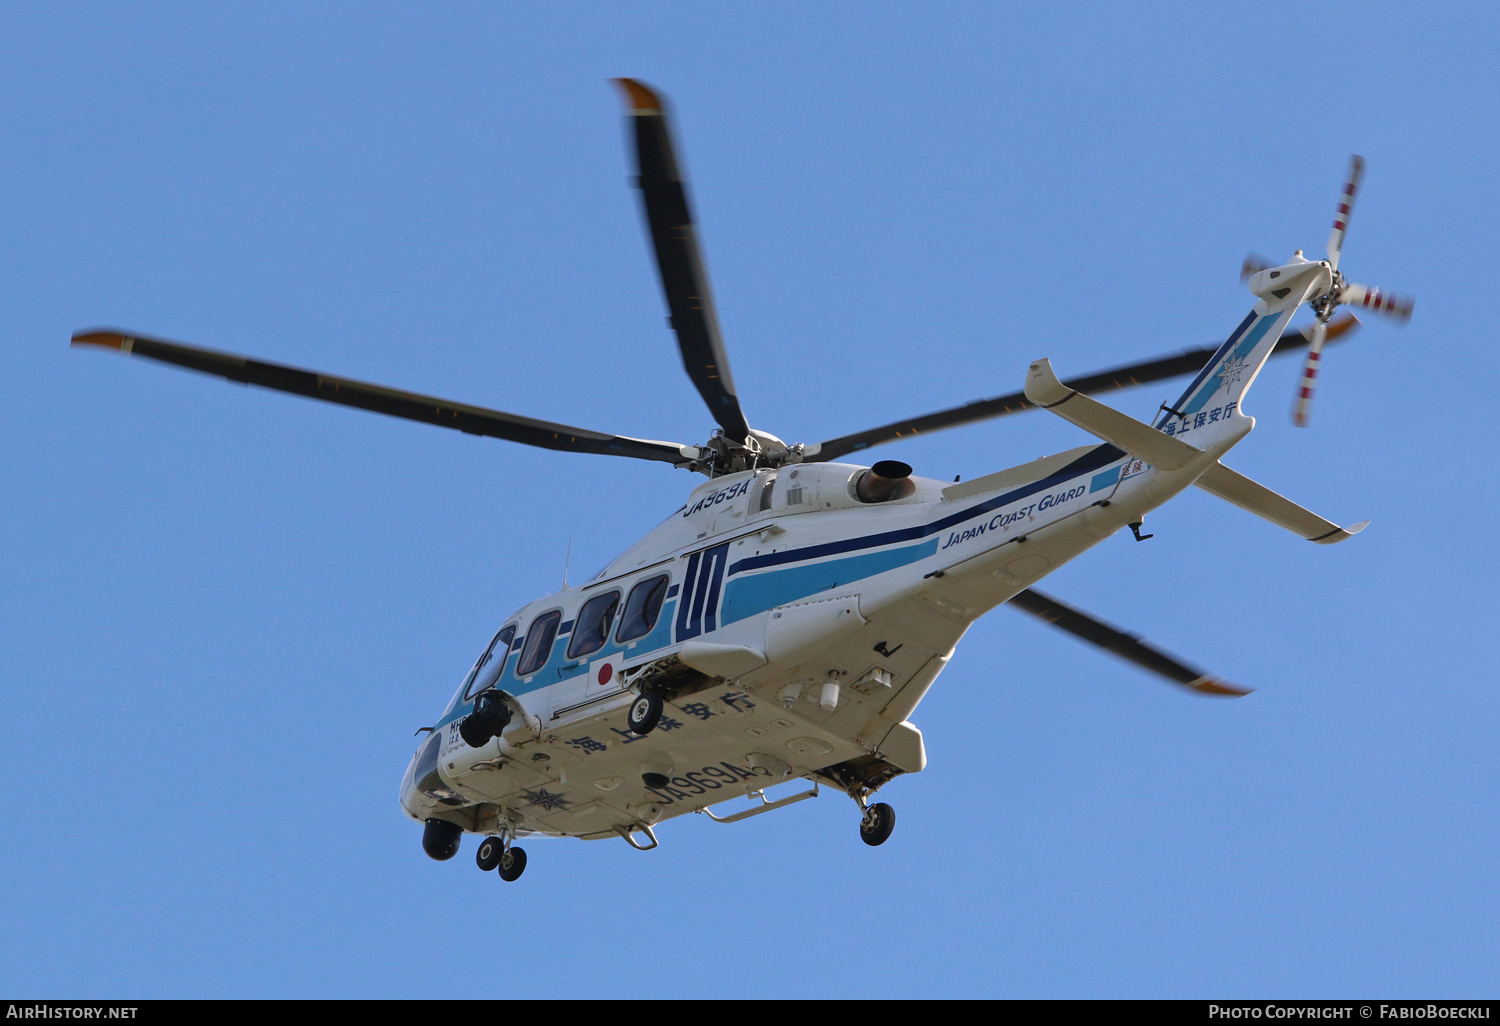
[512,864]
[490,852]
[878,822]
[644,713]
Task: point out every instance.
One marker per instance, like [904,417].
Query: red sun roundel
[605,673]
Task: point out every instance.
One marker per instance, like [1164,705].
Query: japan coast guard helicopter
[788,618]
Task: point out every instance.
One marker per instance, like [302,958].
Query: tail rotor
[1253,265]
[1340,293]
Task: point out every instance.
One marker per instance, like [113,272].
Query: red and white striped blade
[1384,303]
[1302,408]
[1346,207]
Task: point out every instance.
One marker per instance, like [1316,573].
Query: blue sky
[225,611]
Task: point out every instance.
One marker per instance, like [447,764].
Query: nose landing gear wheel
[878,822]
[489,854]
[512,864]
[644,713]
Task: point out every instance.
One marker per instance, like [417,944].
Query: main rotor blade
[1126,646]
[1187,362]
[679,260]
[473,420]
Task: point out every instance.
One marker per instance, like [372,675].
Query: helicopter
[785,621]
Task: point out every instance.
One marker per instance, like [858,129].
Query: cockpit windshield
[487,670]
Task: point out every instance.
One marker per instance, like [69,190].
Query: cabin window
[487,670]
[538,646]
[767,487]
[591,629]
[642,608]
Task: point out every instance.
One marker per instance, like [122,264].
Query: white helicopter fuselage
[797,622]
[807,627]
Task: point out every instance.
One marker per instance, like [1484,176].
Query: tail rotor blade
[1346,207]
[1302,407]
[1254,264]
[1384,303]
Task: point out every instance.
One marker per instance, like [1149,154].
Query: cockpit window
[591,629]
[642,608]
[538,644]
[487,670]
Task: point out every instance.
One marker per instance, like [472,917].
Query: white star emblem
[1232,370]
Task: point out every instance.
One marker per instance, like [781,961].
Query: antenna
[566,559]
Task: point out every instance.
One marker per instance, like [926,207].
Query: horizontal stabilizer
[1258,499]
[1140,440]
[1127,646]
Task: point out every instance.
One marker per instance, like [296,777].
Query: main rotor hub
[759,450]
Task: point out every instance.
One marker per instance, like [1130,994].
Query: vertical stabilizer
[1216,394]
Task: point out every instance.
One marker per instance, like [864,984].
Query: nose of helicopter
[408,789]
[423,764]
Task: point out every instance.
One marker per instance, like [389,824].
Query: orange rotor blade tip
[638,96]
[107,339]
[1219,687]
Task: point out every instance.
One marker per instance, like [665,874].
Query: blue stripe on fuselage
[1105,480]
[1095,459]
[747,596]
